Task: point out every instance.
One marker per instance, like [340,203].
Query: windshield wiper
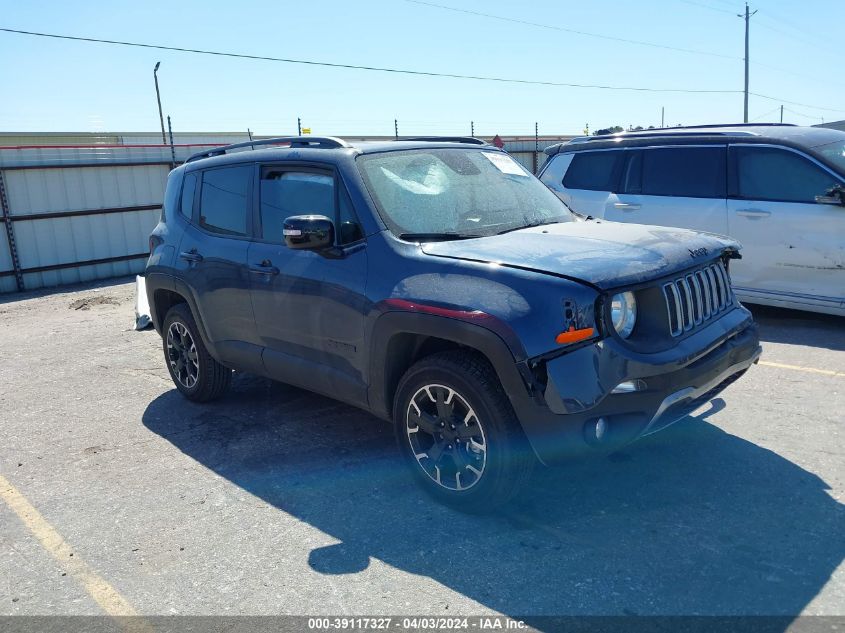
[530,225]
[424,237]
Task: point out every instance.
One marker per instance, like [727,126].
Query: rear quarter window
[186,207]
[171,194]
[594,171]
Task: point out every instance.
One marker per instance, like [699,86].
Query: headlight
[623,313]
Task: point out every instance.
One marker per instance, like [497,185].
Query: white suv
[775,188]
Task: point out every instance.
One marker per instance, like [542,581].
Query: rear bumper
[583,388]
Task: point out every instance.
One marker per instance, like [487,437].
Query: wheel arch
[400,339]
[164,292]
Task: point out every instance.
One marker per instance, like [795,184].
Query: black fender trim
[161,281]
[154,282]
[390,324]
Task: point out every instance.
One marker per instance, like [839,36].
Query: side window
[224,199]
[186,207]
[171,194]
[687,172]
[765,173]
[595,171]
[284,193]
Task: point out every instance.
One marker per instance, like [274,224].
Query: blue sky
[53,85]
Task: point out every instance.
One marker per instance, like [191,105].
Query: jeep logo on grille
[698,252]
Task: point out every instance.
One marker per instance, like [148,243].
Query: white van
[778,189]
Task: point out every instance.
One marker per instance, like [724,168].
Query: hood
[604,254]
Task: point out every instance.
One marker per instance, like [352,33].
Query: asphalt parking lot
[277,501]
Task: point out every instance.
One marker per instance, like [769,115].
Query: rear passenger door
[584,180]
[212,259]
[673,186]
[309,306]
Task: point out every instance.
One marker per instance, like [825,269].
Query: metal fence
[72,213]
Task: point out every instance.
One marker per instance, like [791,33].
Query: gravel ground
[277,501]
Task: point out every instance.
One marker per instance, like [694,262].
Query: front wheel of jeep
[459,434]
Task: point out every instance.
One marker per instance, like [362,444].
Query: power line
[802,40]
[404,71]
[727,3]
[765,114]
[619,39]
[806,116]
[707,6]
[803,105]
[552,27]
[400,71]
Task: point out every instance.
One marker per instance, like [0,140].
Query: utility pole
[781,113]
[158,98]
[747,17]
[298,126]
[396,129]
[662,115]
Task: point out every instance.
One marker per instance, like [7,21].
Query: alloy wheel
[446,437]
[182,355]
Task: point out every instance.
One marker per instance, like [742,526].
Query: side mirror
[309,232]
[834,195]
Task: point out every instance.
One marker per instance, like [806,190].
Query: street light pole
[158,98]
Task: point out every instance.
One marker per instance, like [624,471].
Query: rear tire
[459,434]
[194,372]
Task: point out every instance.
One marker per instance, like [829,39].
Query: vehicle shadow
[781,325]
[688,521]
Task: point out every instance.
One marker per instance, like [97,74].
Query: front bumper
[580,388]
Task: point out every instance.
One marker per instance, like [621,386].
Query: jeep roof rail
[471,140]
[321,142]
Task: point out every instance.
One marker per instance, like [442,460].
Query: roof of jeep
[326,154]
[792,135]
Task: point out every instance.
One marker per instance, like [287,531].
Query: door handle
[191,255]
[626,206]
[264,268]
[753,213]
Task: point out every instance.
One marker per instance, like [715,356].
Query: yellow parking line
[101,591]
[811,370]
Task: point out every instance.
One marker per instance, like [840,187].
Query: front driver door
[792,245]
[309,306]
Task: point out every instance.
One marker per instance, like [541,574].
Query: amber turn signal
[573,335]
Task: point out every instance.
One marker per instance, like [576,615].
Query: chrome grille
[697,297]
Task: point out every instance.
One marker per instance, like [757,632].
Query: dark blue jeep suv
[439,285]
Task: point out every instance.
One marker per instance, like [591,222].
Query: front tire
[459,434]
[194,372]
